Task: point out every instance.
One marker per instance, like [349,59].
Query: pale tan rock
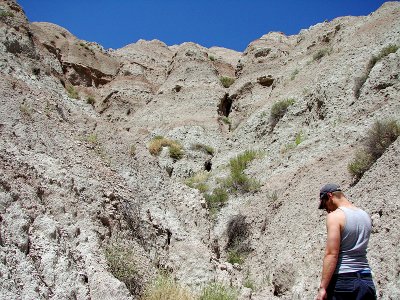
[77,176]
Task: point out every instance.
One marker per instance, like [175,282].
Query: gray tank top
[354,241]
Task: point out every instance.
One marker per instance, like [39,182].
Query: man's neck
[345,203]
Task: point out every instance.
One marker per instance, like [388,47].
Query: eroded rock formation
[77,177]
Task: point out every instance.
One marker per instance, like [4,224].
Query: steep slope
[78,181]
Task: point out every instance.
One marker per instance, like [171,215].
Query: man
[346,274]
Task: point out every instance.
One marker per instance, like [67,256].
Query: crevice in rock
[208,165]
[169,234]
[177,88]
[225,105]
[169,171]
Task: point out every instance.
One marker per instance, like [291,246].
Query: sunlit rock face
[81,191]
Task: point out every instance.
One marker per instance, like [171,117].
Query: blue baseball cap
[327,188]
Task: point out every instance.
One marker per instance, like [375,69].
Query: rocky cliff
[79,186]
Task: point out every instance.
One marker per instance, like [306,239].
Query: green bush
[238,181]
[226,120]
[165,288]
[227,81]
[360,164]
[378,139]
[5,14]
[299,138]
[212,58]
[198,181]
[158,142]
[132,150]
[25,110]
[279,109]
[391,48]
[380,136]
[72,93]
[321,53]
[217,291]
[359,81]
[175,151]
[120,260]
[92,139]
[217,199]
[90,100]
[204,148]
[294,73]
[234,257]
[248,283]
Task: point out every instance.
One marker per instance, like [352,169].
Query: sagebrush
[227,81]
[378,139]
[121,263]
[165,288]
[238,181]
[217,291]
[278,110]
[158,142]
[359,81]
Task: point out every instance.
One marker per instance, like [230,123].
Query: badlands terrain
[119,165]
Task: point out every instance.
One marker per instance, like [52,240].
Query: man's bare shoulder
[336,217]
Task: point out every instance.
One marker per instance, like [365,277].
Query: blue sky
[231,24]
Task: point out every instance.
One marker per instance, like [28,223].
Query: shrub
[378,139]
[158,142]
[321,53]
[235,257]
[72,93]
[5,14]
[120,260]
[216,291]
[212,58]
[84,45]
[227,81]
[175,150]
[380,136]
[226,120]
[92,139]
[132,150]
[294,73]
[279,109]
[204,148]
[359,81]
[25,110]
[360,164]
[165,288]
[238,232]
[248,283]
[216,200]
[90,100]
[299,138]
[391,48]
[198,181]
[238,181]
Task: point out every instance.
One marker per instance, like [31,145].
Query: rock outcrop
[77,179]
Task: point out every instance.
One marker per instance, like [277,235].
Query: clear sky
[227,23]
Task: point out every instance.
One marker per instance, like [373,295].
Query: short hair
[338,194]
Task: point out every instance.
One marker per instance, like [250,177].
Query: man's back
[354,241]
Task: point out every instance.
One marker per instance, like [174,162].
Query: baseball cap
[327,188]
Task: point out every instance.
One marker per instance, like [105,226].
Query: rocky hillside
[179,159]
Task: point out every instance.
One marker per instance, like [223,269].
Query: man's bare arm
[331,251]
